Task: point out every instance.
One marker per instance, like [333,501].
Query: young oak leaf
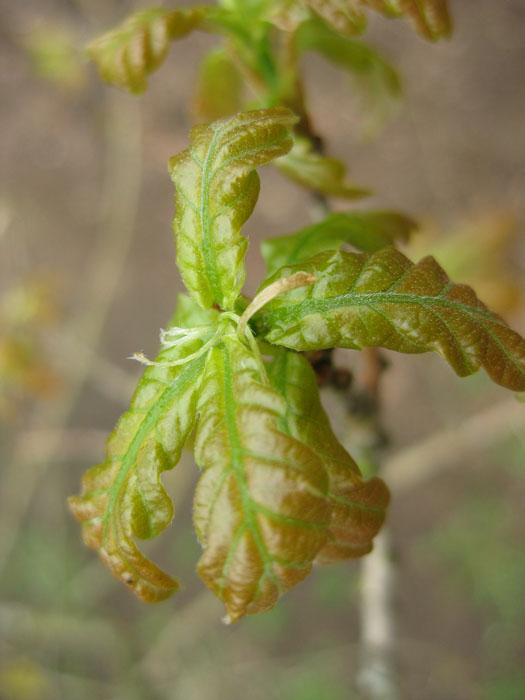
[367,231]
[430,18]
[189,314]
[216,190]
[344,16]
[124,496]
[375,81]
[125,55]
[261,509]
[384,300]
[219,88]
[358,507]
[318,172]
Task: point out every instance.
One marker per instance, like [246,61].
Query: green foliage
[384,300]
[219,89]
[217,188]
[344,16]
[124,496]
[127,54]
[430,18]
[270,502]
[261,51]
[368,231]
[358,509]
[318,172]
[55,57]
[261,506]
[277,491]
[373,76]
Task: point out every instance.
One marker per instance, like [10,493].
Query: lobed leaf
[318,172]
[216,190]
[125,55]
[478,250]
[344,16]
[189,314]
[124,496]
[249,10]
[374,78]
[384,300]
[261,508]
[219,88]
[430,18]
[368,231]
[358,507]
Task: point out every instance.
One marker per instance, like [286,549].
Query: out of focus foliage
[56,57]
[478,251]
[26,312]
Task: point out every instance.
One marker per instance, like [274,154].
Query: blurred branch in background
[442,450]
[120,196]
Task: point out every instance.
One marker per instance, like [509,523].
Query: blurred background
[87,277]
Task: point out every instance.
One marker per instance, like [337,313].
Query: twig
[414,465]
[376,677]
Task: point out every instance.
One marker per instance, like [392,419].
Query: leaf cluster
[258,63]
[277,491]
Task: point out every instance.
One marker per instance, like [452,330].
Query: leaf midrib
[151,419]
[308,307]
[237,453]
[204,213]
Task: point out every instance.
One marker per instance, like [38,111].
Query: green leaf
[216,190]
[368,231]
[124,496]
[384,300]
[261,509]
[374,78]
[318,172]
[358,507]
[430,18]
[189,314]
[249,10]
[125,55]
[219,88]
[344,16]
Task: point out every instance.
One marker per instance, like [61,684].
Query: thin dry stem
[286,284]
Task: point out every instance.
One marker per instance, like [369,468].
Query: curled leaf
[374,78]
[124,496]
[358,507]
[384,300]
[261,509]
[318,172]
[430,18]
[219,88]
[481,251]
[345,16]
[216,190]
[125,55]
[368,231]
